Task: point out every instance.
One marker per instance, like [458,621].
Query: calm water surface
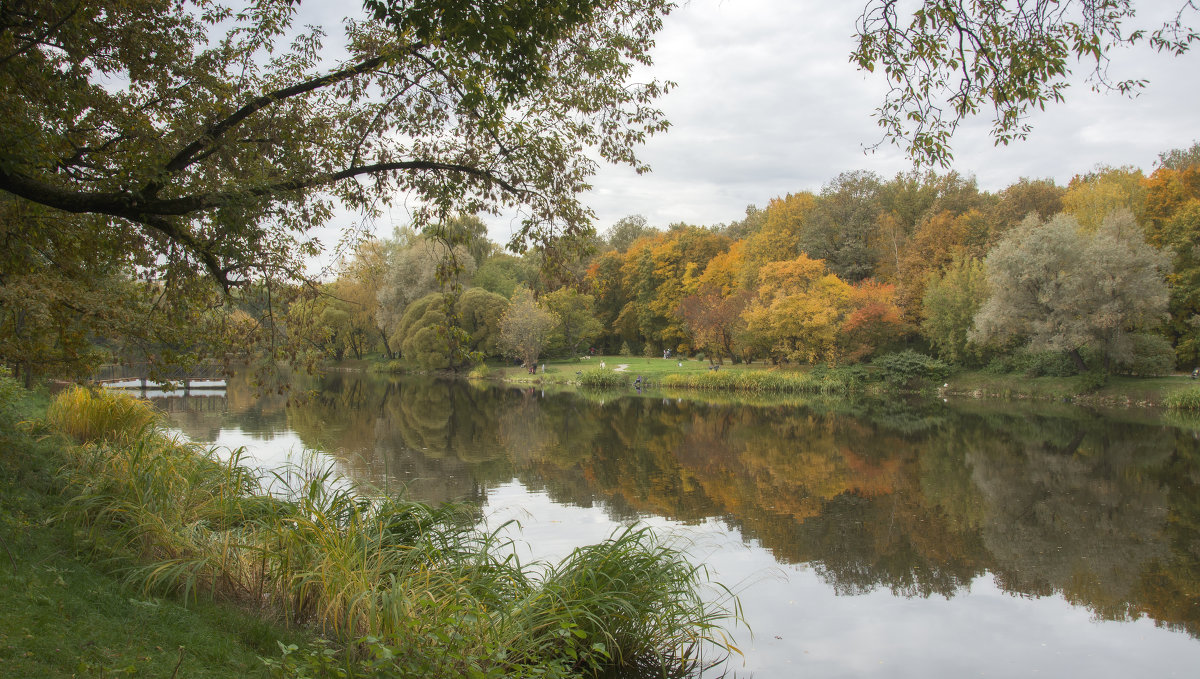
[875,539]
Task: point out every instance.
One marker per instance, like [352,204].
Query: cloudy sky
[768,103]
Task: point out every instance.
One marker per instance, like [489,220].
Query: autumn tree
[1091,197]
[1066,289]
[525,328]
[778,237]
[874,323]
[798,310]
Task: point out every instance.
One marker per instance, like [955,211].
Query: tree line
[1100,274]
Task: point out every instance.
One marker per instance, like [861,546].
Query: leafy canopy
[223,146]
[947,60]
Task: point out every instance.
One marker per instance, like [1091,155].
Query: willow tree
[1065,289]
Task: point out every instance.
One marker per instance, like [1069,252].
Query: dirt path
[621,368]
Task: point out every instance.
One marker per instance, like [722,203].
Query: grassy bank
[401,588]
[63,615]
[1117,391]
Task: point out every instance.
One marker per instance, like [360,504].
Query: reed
[95,414]
[405,587]
[1184,399]
[604,379]
[761,381]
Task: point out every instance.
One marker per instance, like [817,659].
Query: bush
[479,372]
[625,350]
[1033,364]
[908,369]
[1152,356]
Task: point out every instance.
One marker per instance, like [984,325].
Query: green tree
[1065,289]
[839,228]
[426,265]
[576,325]
[628,229]
[952,298]
[479,314]
[525,327]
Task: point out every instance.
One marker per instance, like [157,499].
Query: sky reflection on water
[877,540]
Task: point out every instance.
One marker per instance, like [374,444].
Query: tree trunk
[1078,360]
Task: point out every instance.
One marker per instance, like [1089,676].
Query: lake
[881,538]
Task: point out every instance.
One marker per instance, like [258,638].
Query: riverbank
[401,588]
[63,616]
[1118,391]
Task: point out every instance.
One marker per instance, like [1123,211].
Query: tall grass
[95,414]
[1184,399]
[416,590]
[604,379]
[762,381]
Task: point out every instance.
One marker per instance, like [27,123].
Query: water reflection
[923,500]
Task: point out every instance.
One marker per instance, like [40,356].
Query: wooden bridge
[136,376]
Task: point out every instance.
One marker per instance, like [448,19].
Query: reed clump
[1184,399]
[764,381]
[404,588]
[604,379]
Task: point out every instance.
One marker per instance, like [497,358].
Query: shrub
[480,372]
[908,369]
[625,350]
[1152,356]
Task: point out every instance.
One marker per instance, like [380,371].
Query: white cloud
[768,103]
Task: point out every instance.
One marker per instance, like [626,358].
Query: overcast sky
[768,103]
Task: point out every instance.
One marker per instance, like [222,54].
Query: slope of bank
[61,616]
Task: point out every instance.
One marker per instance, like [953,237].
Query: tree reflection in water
[919,499]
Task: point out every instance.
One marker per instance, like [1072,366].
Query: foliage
[525,327]
[951,301]
[576,321]
[1033,364]
[626,230]
[840,227]
[908,369]
[946,60]
[1065,289]
[421,579]
[1151,355]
